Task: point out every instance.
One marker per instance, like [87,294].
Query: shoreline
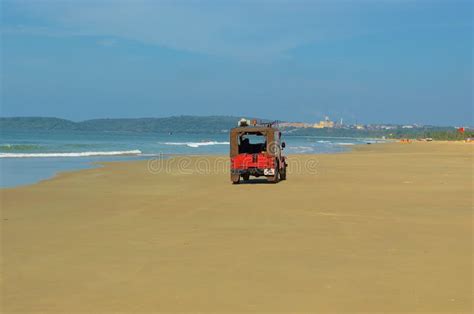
[99,164]
[85,165]
[78,164]
[379,228]
[348,149]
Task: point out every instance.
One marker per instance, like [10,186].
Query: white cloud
[244,30]
[107,42]
[250,30]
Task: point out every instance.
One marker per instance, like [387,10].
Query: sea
[27,157]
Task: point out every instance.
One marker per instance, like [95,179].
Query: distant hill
[188,124]
[36,123]
[213,124]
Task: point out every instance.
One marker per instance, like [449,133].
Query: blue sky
[365,61]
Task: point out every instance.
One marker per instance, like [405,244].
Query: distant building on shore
[326,123]
[294,125]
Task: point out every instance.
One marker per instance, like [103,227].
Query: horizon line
[226,116]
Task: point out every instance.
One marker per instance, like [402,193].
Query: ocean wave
[301,149]
[76,154]
[345,144]
[80,145]
[12,147]
[324,142]
[196,144]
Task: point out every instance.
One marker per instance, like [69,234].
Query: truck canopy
[271,134]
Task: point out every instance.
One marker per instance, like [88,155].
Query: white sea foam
[76,154]
[196,144]
[324,142]
[345,144]
[301,149]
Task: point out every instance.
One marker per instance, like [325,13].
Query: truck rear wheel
[283,173]
[235,178]
[274,178]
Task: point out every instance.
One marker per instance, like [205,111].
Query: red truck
[256,150]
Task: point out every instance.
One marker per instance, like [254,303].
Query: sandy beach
[384,228]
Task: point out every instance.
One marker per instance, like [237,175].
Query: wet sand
[385,228]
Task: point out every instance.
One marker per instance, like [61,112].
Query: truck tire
[246,177]
[274,178]
[235,178]
[283,173]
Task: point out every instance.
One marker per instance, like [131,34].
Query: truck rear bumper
[254,171]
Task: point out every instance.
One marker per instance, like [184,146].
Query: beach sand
[384,228]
